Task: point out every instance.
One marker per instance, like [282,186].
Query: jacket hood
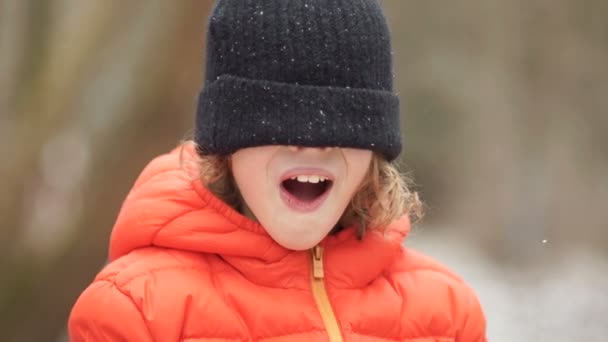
[169,207]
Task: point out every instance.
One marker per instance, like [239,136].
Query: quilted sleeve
[471,319]
[104,313]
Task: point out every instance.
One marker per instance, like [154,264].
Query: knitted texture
[298,72]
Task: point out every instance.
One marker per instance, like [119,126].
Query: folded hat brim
[235,112]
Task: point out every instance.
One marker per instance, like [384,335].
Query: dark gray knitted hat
[298,72]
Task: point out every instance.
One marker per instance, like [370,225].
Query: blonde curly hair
[383,196]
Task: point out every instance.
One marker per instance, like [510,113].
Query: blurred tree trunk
[84,85]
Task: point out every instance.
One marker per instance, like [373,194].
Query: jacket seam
[197,337]
[401,338]
[431,270]
[137,308]
[257,337]
[168,222]
[201,270]
[112,277]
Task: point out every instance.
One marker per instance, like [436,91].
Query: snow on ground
[564,300]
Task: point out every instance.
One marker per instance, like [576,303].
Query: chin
[297,245]
[299,239]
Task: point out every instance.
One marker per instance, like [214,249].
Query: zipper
[321,297]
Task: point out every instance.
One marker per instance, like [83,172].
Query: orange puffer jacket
[186,267]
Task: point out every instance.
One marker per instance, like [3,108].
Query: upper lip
[306,171]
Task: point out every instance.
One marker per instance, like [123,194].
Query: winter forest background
[504,107]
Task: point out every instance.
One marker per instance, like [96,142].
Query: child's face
[297,193]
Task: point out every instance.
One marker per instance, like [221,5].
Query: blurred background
[504,112]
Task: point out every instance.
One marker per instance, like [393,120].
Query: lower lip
[295,204]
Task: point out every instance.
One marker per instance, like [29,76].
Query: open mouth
[307,188]
[305,193]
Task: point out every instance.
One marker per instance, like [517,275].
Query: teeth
[309,179]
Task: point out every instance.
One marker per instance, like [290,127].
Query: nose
[293,148]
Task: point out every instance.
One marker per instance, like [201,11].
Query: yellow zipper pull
[317,262]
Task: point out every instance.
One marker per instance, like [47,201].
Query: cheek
[250,170]
[247,176]
[358,163]
[245,182]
